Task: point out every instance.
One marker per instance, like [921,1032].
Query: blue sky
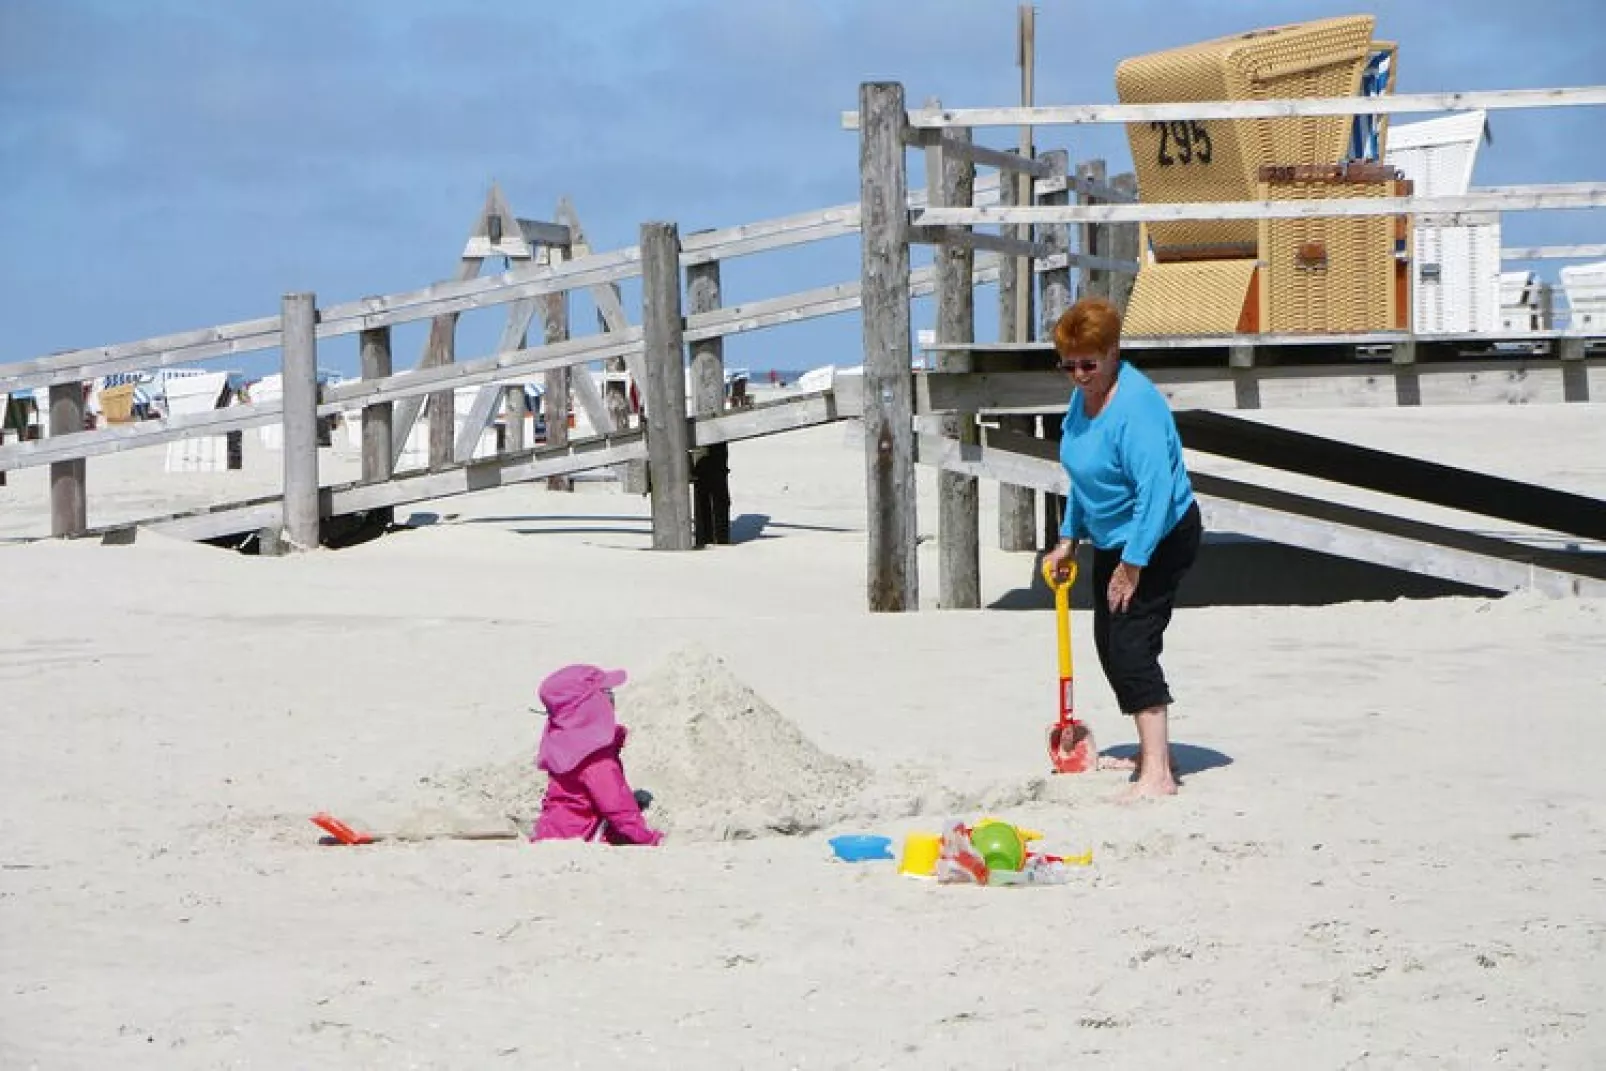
[169,165]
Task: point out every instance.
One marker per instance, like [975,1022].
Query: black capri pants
[1129,643]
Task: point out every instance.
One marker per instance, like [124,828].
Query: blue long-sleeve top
[1129,486]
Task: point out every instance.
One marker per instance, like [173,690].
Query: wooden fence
[887,128]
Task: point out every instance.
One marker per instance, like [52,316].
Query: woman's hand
[1058,560]
[1123,583]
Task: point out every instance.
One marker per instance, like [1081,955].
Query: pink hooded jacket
[586,788]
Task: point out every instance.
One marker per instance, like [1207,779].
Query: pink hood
[580,716]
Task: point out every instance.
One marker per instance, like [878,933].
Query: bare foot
[1149,788]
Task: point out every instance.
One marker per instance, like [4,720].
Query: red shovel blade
[1071,748]
[339,830]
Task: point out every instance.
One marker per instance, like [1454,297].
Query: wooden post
[298,318]
[378,451]
[952,182]
[442,405]
[1125,243]
[1017,506]
[69,504]
[1056,298]
[555,383]
[663,340]
[710,465]
[1095,236]
[893,582]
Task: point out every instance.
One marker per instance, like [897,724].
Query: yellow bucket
[920,851]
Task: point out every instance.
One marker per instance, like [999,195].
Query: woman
[1131,497]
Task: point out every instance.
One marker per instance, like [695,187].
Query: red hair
[1092,325]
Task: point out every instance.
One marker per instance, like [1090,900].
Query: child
[586,788]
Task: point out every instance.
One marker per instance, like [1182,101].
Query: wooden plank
[1560,195]
[996,243]
[771,418]
[299,523]
[958,496]
[665,388]
[1054,287]
[69,504]
[893,580]
[1295,520]
[710,464]
[488,401]
[1057,261]
[1097,189]
[965,149]
[1397,104]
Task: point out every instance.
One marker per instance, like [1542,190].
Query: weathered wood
[665,388]
[1116,265]
[952,177]
[966,149]
[1395,104]
[970,239]
[1017,506]
[710,464]
[555,386]
[1094,236]
[1125,243]
[299,519]
[893,582]
[378,453]
[69,503]
[1054,286]
[1453,207]
[442,406]
[492,397]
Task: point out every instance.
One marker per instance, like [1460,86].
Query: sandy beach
[1389,850]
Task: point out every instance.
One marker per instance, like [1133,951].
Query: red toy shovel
[1070,740]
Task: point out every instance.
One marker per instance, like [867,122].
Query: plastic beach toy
[860,847]
[920,851]
[999,844]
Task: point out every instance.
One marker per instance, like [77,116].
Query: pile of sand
[720,762]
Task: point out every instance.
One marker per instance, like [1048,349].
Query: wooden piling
[893,581]
[952,182]
[710,465]
[1096,237]
[298,317]
[1017,506]
[69,504]
[556,382]
[1125,243]
[668,437]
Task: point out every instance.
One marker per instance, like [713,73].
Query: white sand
[1390,849]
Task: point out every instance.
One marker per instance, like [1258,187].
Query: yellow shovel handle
[1062,610]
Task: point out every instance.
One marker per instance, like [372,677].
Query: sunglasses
[1079,366]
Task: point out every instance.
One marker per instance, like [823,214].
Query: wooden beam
[893,580]
[557,383]
[299,519]
[1397,104]
[1503,198]
[996,243]
[665,388]
[965,149]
